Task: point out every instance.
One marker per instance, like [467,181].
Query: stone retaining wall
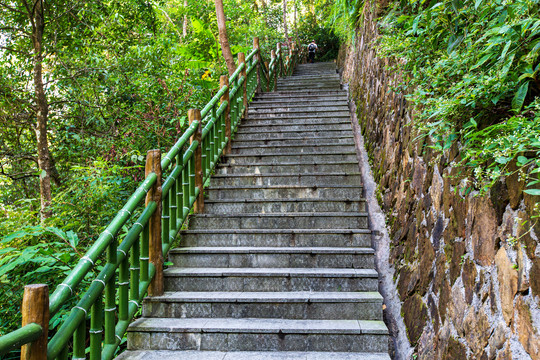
[467,292]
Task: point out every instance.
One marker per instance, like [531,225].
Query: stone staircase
[280,265]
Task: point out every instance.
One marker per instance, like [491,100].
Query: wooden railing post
[273,56]
[258,59]
[195,114]
[35,309]
[242,60]
[224,81]
[153,165]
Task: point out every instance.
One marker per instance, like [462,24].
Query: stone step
[262,121]
[266,206]
[276,257]
[273,135]
[248,355]
[278,158]
[308,96]
[225,334]
[322,220]
[307,105]
[299,168]
[320,113]
[352,192]
[270,279]
[324,147]
[277,237]
[301,141]
[301,93]
[317,101]
[300,305]
[311,83]
[319,179]
[253,128]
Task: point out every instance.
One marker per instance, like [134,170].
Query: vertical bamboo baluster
[64,354]
[204,146]
[123,290]
[242,60]
[257,58]
[35,309]
[96,331]
[215,138]
[279,54]
[192,182]
[143,263]
[179,189]
[173,208]
[165,218]
[185,190]
[224,81]
[110,298]
[273,78]
[195,115]
[212,141]
[153,165]
[134,276]
[79,342]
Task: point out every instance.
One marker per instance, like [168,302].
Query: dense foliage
[472,71]
[475,73]
[119,77]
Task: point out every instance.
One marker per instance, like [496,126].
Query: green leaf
[532,192]
[519,97]
[522,160]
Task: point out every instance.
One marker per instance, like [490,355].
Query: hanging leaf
[519,97]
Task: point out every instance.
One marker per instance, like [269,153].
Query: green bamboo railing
[134,267]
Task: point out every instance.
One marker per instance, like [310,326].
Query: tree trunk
[184,28]
[44,157]
[295,24]
[223,38]
[285,21]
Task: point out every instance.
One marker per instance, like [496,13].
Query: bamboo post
[278,46]
[273,56]
[224,81]
[195,114]
[242,60]
[288,64]
[258,59]
[35,309]
[153,165]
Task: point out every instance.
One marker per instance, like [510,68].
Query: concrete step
[319,179]
[308,96]
[300,168]
[273,135]
[320,113]
[308,101]
[225,334]
[330,220]
[270,279]
[248,355]
[276,257]
[245,128]
[301,93]
[277,237]
[229,206]
[305,105]
[300,305]
[352,192]
[325,147]
[301,141]
[300,118]
[277,158]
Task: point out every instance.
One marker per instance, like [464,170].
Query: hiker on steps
[312,48]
